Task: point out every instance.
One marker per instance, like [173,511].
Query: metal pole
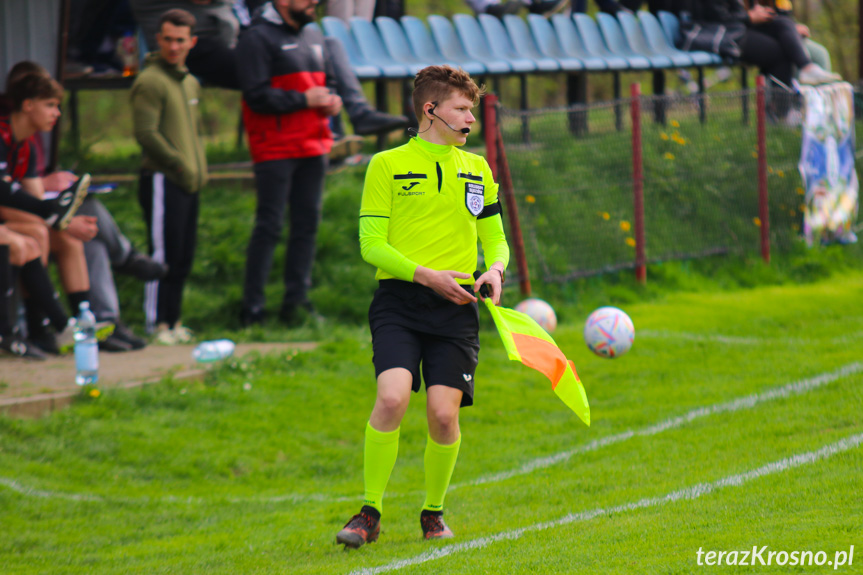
[494,139]
[638,184]
[860,41]
[763,212]
[489,122]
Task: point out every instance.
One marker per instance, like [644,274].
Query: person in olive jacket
[173,168]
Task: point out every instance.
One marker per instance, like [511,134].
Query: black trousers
[296,184]
[171,215]
[775,47]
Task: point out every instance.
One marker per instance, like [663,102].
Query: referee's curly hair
[437,83]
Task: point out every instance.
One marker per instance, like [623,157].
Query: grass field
[734,422]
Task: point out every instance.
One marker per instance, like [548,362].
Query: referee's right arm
[375,210]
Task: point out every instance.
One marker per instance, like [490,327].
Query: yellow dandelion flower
[95,393]
[664,136]
[630,242]
[675,124]
[606,216]
[801,207]
[535,162]
[625,226]
[780,173]
[675,135]
[669,156]
[757,222]
[530,199]
[682,141]
[769,170]
[754,154]
[801,192]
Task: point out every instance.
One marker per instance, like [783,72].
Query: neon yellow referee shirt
[426,204]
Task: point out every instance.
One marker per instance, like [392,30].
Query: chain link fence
[572,173]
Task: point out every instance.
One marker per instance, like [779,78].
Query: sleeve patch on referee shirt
[473,197]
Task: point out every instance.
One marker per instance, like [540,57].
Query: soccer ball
[540,312]
[609,332]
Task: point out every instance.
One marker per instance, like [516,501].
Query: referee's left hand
[491,278]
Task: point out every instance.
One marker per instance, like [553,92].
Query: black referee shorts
[413,327]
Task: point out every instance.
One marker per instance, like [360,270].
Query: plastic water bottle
[86,347]
[208,351]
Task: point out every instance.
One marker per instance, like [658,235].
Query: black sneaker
[250,317]
[433,525]
[504,8]
[295,315]
[114,344]
[19,347]
[375,122]
[64,206]
[364,527]
[143,267]
[125,334]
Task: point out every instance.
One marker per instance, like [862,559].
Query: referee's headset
[431,121]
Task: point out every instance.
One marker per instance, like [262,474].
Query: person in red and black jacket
[287,103]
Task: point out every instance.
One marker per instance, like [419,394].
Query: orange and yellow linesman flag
[527,342]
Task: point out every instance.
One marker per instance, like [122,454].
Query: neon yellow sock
[439,464]
[381,451]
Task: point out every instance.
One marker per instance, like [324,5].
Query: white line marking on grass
[24,490]
[740,340]
[687,493]
[747,402]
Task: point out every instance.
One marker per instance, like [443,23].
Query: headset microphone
[463,130]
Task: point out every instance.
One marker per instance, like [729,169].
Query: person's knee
[392,402]
[22,249]
[443,419]
[63,244]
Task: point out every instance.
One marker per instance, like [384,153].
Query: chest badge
[474,198]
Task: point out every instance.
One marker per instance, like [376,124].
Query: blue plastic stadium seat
[671,27]
[658,41]
[549,45]
[591,40]
[526,45]
[335,28]
[616,41]
[501,46]
[397,45]
[373,50]
[470,36]
[634,34]
[424,46]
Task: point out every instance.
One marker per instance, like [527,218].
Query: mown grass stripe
[747,402]
[687,493]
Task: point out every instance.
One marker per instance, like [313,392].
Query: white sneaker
[814,75]
[164,335]
[182,334]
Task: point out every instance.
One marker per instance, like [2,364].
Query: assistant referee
[423,206]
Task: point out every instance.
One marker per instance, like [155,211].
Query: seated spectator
[765,38]
[499,8]
[87,259]
[214,61]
